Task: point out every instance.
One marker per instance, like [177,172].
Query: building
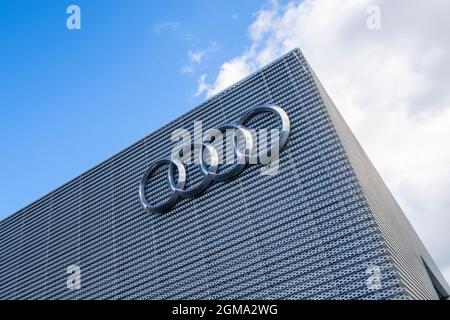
[324,227]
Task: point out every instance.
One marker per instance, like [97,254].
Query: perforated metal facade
[312,231]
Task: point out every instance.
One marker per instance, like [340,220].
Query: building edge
[418,272]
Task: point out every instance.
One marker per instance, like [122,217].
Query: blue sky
[71,98]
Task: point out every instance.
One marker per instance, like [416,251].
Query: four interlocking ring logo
[209,172]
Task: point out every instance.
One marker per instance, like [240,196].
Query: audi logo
[209,172]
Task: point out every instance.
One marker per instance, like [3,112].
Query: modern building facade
[324,227]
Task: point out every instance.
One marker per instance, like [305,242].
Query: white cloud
[165,25]
[237,68]
[202,86]
[187,69]
[391,85]
[196,56]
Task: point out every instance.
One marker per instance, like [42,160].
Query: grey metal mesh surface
[306,233]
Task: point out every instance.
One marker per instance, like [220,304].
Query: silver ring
[179,185]
[285,124]
[242,157]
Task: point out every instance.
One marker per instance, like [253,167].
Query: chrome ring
[242,157]
[207,172]
[174,197]
[285,124]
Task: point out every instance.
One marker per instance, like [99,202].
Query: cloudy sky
[386,65]
[72,98]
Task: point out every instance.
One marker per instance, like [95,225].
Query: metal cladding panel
[419,274]
[307,232]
